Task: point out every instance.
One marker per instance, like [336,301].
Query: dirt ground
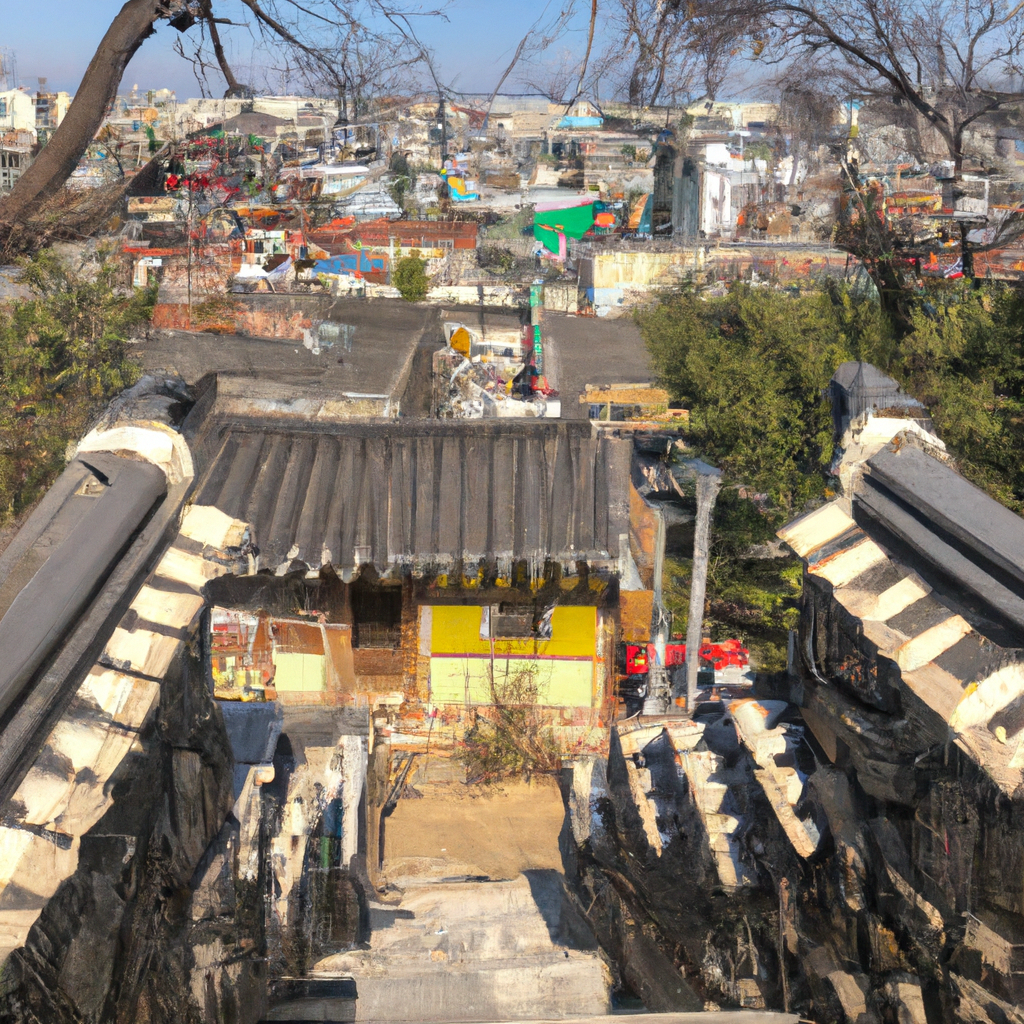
[460,830]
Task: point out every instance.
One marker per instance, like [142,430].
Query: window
[510,622]
[376,616]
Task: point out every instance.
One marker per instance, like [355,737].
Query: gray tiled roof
[419,492]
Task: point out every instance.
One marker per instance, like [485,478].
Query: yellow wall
[640,269]
[562,667]
[298,672]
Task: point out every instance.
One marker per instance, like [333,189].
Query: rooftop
[586,350]
[418,492]
[927,568]
[384,335]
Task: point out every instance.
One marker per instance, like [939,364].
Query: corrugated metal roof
[421,492]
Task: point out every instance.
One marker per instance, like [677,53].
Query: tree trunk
[59,157]
[893,295]
[636,84]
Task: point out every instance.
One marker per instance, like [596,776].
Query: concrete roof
[61,557]
[254,124]
[859,388]
[950,524]
[864,375]
[385,337]
[930,566]
[585,350]
[387,334]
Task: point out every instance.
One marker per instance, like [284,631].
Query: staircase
[462,950]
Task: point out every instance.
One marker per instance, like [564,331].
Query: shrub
[410,278]
[63,356]
[508,739]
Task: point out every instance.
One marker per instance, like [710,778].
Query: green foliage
[63,356]
[410,278]
[759,150]
[751,367]
[964,358]
[510,227]
[753,598]
[404,179]
[398,188]
[499,260]
[400,165]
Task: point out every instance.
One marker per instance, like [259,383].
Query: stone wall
[154,924]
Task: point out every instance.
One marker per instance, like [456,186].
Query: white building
[17,111]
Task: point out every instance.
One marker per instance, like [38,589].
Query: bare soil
[456,829]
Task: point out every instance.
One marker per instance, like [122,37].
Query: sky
[55,39]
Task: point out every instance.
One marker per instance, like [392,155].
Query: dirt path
[461,830]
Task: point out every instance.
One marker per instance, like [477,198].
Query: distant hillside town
[231,188]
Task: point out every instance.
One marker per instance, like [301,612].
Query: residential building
[17,111]
[15,156]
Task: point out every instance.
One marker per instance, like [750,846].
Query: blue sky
[56,39]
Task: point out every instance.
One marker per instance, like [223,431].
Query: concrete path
[476,950]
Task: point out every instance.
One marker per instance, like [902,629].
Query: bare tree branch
[586,56]
[355,57]
[233,87]
[537,39]
[943,58]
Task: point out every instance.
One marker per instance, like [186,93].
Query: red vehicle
[728,654]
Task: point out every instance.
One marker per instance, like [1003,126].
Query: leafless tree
[947,60]
[666,51]
[364,66]
[309,29]
[538,38]
[353,49]
[555,77]
[939,67]
[650,56]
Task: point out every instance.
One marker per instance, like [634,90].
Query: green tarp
[573,222]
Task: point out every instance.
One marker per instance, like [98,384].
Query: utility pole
[709,481]
[442,123]
[658,688]
[188,241]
